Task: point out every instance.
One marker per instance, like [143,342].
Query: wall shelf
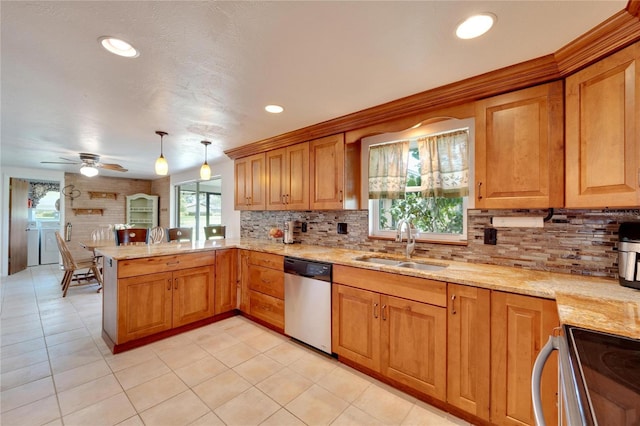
[105,195]
[79,212]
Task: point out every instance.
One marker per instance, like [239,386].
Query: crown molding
[617,32]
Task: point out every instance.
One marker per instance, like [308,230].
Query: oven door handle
[536,377]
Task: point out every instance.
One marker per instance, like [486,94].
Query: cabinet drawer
[268,260]
[267,281]
[151,265]
[267,308]
[413,288]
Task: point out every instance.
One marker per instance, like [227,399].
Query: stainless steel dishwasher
[307,302]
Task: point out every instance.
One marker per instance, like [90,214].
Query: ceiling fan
[90,164]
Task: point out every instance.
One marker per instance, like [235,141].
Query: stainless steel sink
[401,263]
[421,266]
[379,260]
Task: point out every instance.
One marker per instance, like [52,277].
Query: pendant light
[162,167]
[205,170]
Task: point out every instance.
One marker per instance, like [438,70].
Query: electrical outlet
[303,227]
[490,236]
[342,228]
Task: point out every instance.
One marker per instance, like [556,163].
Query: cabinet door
[603,132]
[144,306]
[193,294]
[244,302]
[249,183]
[520,326]
[468,349]
[276,178]
[356,325]
[266,280]
[226,279]
[519,149]
[297,177]
[327,172]
[267,308]
[414,344]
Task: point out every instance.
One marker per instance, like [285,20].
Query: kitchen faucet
[411,239]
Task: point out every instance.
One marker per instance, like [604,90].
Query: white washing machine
[49,252]
[33,244]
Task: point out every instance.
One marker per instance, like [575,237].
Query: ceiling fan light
[162,167]
[88,170]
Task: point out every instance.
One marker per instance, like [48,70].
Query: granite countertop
[590,302]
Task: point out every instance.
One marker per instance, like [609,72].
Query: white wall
[224,169]
[30,174]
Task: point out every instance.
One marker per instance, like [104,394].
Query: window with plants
[423,178]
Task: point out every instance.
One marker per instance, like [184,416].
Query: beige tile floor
[56,370]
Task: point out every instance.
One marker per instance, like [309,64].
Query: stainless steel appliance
[629,254]
[289,226]
[599,377]
[307,302]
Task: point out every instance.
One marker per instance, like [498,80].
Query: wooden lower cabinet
[520,327]
[226,280]
[468,349]
[262,287]
[356,326]
[414,344]
[149,304]
[402,339]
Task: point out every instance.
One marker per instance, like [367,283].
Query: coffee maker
[629,254]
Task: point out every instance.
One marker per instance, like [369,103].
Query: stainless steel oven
[599,378]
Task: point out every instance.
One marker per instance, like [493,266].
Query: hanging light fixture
[205,170]
[162,167]
[88,170]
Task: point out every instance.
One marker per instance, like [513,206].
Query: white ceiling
[207,69]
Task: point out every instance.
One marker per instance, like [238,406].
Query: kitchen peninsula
[596,303]
[450,312]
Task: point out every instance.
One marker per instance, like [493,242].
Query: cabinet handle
[168,284]
[282,199]
[384,308]
[453,304]
[375,310]
[340,193]
[287,199]
[175,285]
[479,190]
[173,263]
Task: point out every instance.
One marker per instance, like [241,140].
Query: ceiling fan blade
[57,162]
[114,167]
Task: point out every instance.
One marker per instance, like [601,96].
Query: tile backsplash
[573,241]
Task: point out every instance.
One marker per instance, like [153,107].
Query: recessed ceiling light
[274,109]
[118,47]
[475,26]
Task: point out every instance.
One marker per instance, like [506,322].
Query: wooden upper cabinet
[288,178]
[327,172]
[468,349]
[249,174]
[520,327]
[519,149]
[603,132]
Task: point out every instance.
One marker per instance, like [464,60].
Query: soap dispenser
[288,231]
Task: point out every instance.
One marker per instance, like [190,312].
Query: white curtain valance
[444,162]
[388,170]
